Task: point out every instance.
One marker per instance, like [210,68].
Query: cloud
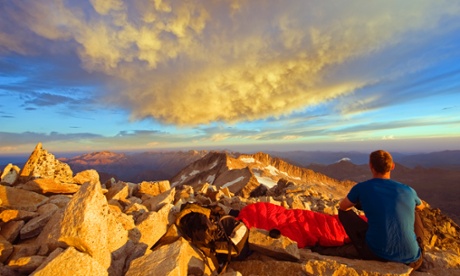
[189,63]
[47,99]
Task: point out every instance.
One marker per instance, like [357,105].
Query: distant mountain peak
[345,159]
[245,173]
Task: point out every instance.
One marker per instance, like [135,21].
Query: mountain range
[435,176]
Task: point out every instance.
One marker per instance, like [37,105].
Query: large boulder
[71,262]
[178,258]
[84,223]
[153,225]
[19,199]
[10,174]
[42,164]
[49,185]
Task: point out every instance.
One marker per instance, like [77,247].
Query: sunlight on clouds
[196,62]
[291,137]
[388,137]
[220,137]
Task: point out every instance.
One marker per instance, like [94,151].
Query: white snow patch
[228,184]
[248,160]
[195,172]
[267,181]
[211,178]
[345,159]
[213,164]
[273,170]
[182,178]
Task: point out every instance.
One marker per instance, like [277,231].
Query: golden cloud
[195,62]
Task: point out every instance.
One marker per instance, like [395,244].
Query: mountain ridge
[437,185]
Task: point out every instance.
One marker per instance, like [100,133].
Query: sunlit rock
[13,198]
[42,164]
[179,258]
[10,174]
[84,224]
[72,262]
[49,185]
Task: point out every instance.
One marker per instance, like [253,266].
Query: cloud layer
[197,62]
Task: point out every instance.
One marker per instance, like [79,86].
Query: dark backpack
[220,237]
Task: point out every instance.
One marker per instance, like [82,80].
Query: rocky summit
[55,222]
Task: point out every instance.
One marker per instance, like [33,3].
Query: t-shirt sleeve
[417,199]
[353,195]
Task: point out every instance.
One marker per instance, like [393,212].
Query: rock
[10,215]
[153,225]
[84,223]
[10,230]
[24,249]
[267,266]
[153,188]
[280,248]
[10,174]
[117,234]
[8,271]
[6,248]
[60,200]
[26,265]
[179,258]
[42,164]
[19,199]
[49,185]
[136,210]
[34,226]
[154,203]
[48,240]
[91,176]
[316,264]
[118,191]
[50,257]
[74,262]
[120,257]
[171,235]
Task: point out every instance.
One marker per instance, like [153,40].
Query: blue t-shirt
[390,209]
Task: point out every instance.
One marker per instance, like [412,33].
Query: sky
[247,75]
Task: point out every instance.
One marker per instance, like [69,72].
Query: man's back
[389,207]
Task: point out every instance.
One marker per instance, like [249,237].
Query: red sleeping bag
[307,228]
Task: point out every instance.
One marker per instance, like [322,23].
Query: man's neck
[382,175]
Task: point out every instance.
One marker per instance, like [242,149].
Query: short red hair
[381,161]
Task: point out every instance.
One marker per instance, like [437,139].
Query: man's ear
[392,166]
[371,168]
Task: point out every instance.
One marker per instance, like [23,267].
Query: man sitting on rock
[393,231]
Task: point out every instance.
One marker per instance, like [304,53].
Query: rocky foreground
[56,223]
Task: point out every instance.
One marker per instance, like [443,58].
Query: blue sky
[242,75]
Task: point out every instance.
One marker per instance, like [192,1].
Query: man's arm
[346,204]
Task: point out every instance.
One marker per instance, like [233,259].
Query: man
[393,231]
